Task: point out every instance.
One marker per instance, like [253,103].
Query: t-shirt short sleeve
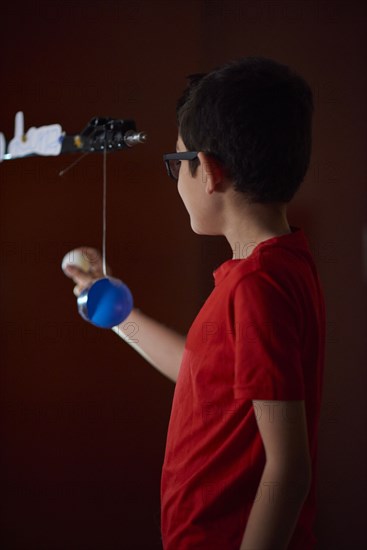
[268,340]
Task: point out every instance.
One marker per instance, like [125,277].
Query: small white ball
[77,259]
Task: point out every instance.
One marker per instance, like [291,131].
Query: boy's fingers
[83,278]
[95,260]
[76,290]
[78,276]
[92,256]
[95,271]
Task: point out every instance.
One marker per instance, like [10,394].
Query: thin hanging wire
[104,208]
[62,172]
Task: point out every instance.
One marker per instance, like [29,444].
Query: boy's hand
[92,261]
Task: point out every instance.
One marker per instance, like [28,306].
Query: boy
[240,464]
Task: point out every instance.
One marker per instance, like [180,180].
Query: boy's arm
[160,345]
[286,478]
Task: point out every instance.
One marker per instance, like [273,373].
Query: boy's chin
[203,231]
[197,229]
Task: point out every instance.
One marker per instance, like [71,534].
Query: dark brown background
[83,417]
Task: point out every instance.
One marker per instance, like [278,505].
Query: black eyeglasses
[173,162]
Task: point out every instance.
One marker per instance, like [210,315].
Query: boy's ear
[211,170]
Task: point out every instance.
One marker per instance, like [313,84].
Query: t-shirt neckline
[295,234]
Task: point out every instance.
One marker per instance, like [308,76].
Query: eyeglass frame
[184,155]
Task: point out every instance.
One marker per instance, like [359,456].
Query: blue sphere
[105,303]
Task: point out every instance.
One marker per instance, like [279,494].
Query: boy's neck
[252,224]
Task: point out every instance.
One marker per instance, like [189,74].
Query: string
[104,209]
[104,206]
[73,164]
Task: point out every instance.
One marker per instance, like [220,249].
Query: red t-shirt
[259,335]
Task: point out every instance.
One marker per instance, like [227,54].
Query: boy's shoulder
[282,257]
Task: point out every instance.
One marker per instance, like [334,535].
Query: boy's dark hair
[254,115]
